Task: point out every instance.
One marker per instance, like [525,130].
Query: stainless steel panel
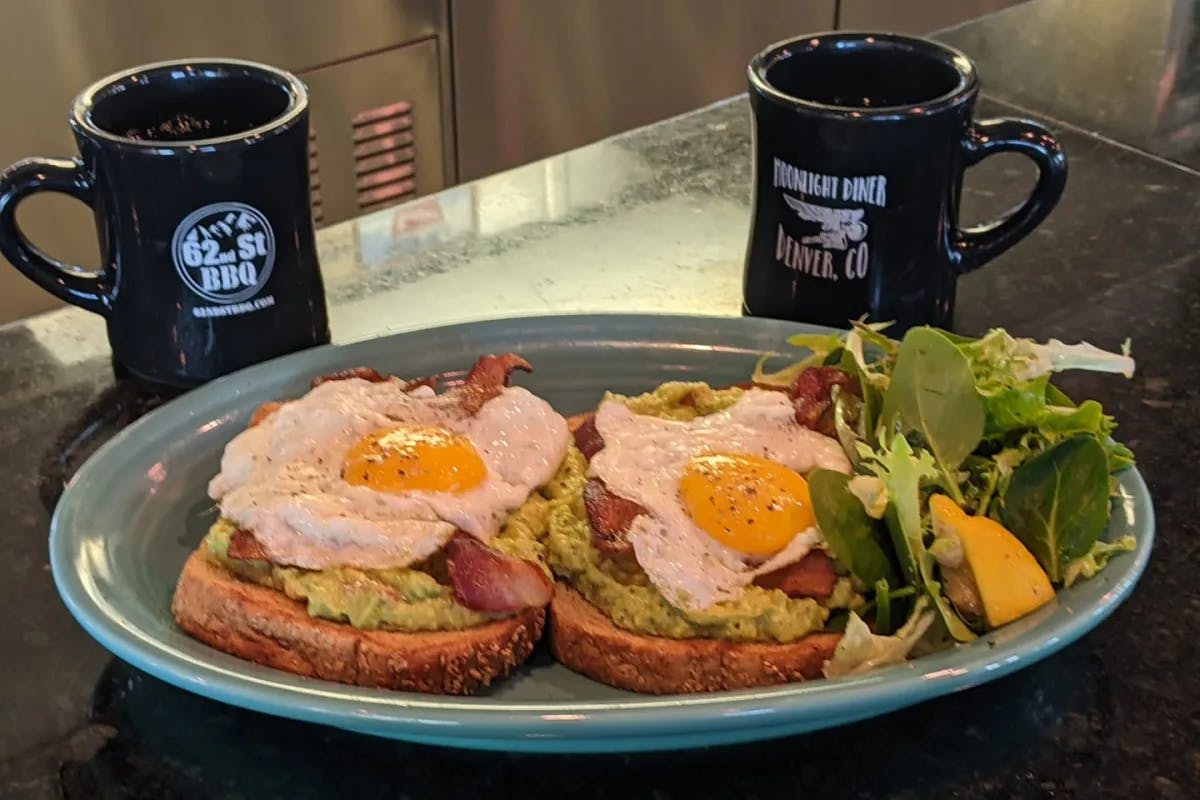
[914,16]
[535,77]
[79,40]
[50,49]
[378,129]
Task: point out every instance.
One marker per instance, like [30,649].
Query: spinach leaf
[1057,502]
[854,538]
[933,392]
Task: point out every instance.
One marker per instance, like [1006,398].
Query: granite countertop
[1125,71]
[655,220]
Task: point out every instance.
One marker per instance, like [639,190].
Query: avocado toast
[377,533]
[611,621]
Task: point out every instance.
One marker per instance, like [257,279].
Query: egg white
[282,479]
[643,460]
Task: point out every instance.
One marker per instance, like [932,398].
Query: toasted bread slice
[265,626]
[584,639]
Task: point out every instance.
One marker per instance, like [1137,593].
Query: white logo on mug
[224,252]
[837,249]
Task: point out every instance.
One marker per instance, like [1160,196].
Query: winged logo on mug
[839,226]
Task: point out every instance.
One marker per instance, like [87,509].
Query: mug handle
[978,245]
[76,285]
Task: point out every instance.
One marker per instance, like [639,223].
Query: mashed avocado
[411,599]
[619,587]
[551,530]
[680,400]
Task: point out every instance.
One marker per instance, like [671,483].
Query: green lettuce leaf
[860,650]
[820,346]
[1001,360]
[1096,559]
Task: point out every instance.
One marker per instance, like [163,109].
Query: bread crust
[584,639]
[267,627]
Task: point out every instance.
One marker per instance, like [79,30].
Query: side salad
[978,487]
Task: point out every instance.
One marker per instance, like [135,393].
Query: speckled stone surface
[656,220]
[1124,69]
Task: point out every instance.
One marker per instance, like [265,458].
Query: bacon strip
[244,547]
[487,378]
[811,576]
[588,438]
[488,581]
[810,394]
[609,517]
[365,373]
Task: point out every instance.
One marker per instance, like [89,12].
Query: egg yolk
[745,502]
[414,458]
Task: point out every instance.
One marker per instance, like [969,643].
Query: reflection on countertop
[639,221]
[1129,71]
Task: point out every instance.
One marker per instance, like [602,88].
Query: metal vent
[314,178]
[384,168]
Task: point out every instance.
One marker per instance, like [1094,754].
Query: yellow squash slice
[1009,579]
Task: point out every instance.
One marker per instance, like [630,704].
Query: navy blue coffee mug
[197,171]
[860,145]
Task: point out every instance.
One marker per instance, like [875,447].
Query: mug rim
[297,106]
[966,87]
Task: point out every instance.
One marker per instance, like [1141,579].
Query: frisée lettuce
[979,421]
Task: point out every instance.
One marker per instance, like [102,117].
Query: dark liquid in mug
[856,78]
[205,108]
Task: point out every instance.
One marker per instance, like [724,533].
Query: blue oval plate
[137,508]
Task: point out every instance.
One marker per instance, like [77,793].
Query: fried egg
[725,492]
[364,474]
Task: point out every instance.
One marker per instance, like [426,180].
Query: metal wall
[914,16]
[362,59]
[536,77]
